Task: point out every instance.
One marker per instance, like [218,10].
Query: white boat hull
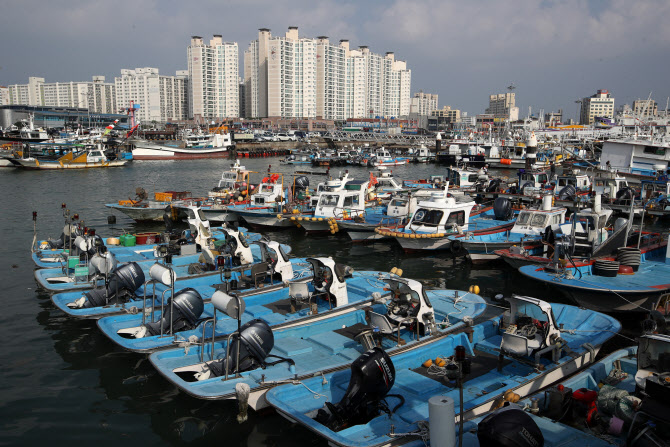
[156,152]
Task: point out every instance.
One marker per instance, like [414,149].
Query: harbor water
[64,382]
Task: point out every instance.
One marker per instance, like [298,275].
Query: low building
[50,117]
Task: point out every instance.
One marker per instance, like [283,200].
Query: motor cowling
[568,192]
[255,341]
[625,195]
[121,287]
[372,377]
[502,209]
[301,182]
[509,427]
[183,310]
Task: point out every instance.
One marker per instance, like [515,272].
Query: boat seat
[519,345]
[298,290]
[257,275]
[380,321]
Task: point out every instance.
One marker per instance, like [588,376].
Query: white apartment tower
[291,76]
[97,96]
[331,77]
[161,98]
[601,104]
[4,95]
[213,78]
[423,103]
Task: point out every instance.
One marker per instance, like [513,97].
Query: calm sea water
[63,382]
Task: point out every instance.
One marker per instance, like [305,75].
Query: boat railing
[156,273]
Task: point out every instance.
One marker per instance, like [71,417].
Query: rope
[297,382]
[423,432]
[574,331]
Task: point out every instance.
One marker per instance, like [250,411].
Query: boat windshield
[328,200]
[524,218]
[243,239]
[539,220]
[428,217]
[650,352]
[267,188]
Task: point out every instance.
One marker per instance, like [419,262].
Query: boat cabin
[329,281]
[609,185]
[347,202]
[277,260]
[269,192]
[581,182]
[442,213]
[653,362]
[464,178]
[534,222]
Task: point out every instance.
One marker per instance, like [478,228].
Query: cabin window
[266,188]
[354,201]
[328,200]
[398,202]
[654,150]
[473,178]
[556,219]
[347,201]
[539,220]
[428,217]
[457,217]
[523,218]
[542,178]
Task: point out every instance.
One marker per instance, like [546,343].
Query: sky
[553,52]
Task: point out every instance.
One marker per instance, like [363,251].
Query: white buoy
[242,391]
[546,202]
[597,203]
[162,274]
[441,419]
[227,304]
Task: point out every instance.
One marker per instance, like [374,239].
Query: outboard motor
[502,209]
[625,195]
[567,193]
[102,263]
[121,287]
[255,341]
[509,427]
[372,377]
[301,182]
[494,185]
[188,307]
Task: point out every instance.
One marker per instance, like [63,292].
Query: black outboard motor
[121,287]
[502,209]
[567,193]
[301,182]
[494,185]
[509,427]
[625,195]
[255,341]
[372,377]
[188,307]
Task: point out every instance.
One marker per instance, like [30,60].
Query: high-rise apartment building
[645,108]
[289,76]
[97,95]
[213,74]
[4,95]
[161,98]
[423,103]
[601,104]
[502,106]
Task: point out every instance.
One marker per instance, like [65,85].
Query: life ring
[455,246]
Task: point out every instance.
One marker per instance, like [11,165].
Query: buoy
[393,270]
[293,218]
[113,241]
[332,231]
[440,362]
[278,216]
[428,363]
[399,272]
[474,289]
[320,219]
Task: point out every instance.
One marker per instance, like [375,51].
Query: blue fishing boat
[87,272]
[333,289]
[623,399]
[535,344]
[529,227]
[124,291]
[404,317]
[634,282]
